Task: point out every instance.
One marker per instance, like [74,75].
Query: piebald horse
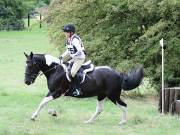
[102,82]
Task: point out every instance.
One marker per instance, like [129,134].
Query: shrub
[11,15]
[124,33]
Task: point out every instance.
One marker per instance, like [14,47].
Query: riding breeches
[76,66]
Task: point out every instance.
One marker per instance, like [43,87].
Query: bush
[11,15]
[123,33]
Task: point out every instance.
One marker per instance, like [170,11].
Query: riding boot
[76,86]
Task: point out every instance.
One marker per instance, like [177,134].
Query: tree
[30,5]
[11,14]
[123,33]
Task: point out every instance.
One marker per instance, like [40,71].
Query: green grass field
[18,101]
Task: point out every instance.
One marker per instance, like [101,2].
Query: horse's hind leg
[117,101]
[123,106]
[99,109]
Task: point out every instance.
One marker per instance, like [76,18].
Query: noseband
[33,76]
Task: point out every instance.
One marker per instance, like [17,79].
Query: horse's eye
[28,63]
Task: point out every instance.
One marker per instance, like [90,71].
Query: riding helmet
[69,28]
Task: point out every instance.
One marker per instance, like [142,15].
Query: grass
[18,101]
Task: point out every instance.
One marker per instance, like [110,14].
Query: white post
[162,50]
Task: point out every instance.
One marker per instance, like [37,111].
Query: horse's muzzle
[27,82]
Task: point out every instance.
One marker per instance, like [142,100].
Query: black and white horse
[102,82]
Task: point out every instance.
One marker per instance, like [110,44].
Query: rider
[74,52]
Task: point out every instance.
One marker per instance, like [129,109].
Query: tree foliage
[11,13]
[124,33]
[30,5]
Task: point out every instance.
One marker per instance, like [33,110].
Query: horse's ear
[31,55]
[25,54]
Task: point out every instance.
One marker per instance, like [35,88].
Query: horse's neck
[47,70]
[48,63]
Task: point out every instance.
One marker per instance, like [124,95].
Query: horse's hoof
[122,123]
[33,119]
[88,122]
[52,112]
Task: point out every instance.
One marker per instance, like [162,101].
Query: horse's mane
[51,59]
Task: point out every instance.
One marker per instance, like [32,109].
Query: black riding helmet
[69,28]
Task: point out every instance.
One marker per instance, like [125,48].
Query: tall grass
[18,101]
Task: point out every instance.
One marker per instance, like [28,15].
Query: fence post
[162,51]
[28,19]
[40,21]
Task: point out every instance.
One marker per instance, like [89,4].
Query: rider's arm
[65,56]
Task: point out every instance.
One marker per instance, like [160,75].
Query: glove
[61,59]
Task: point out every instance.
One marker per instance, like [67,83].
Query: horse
[102,82]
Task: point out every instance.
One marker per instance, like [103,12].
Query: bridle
[36,65]
[34,76]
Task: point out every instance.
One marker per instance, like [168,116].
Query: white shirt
[75,47]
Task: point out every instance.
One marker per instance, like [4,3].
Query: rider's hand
[61,59]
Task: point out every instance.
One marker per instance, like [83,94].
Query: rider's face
[67,34]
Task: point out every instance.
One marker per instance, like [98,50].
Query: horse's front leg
[44,102]
[41,105]
[51,111]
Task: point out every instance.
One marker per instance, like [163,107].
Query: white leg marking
[99,109]
[41,105]
[124,114]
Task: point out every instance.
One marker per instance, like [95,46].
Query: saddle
[87,67]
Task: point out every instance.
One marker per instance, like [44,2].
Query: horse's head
[32,69]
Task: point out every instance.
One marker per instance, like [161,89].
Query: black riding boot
[76,86]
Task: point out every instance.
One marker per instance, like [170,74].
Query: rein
[40,74]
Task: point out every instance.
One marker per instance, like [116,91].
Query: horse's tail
[132,79]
